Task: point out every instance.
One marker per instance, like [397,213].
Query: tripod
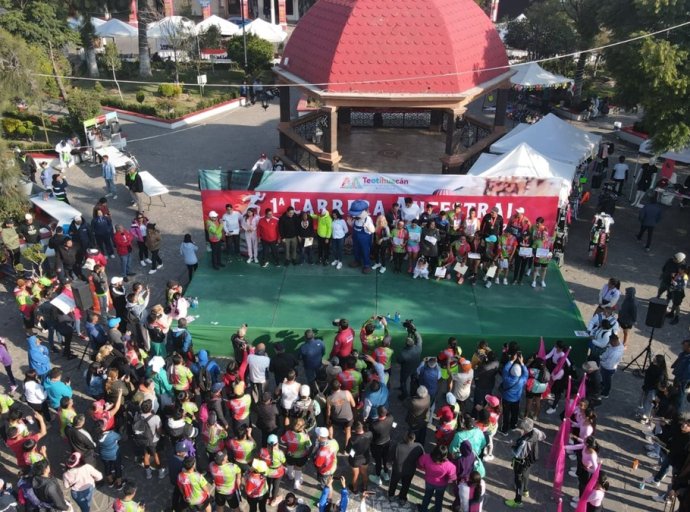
[646,361]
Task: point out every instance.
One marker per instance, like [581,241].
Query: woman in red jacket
[123,246]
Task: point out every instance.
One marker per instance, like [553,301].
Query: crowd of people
[443,245]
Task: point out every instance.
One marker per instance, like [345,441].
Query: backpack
[142,435]
[205,379]
[536,385]
[524,451]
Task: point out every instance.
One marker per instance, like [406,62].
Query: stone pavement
[235,140]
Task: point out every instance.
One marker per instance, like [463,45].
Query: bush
[10,125]
[15,128]
[169,90]
[141,96]
[82,105]
[148,110]
[98,88]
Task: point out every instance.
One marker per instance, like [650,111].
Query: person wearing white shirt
[257,368]
[620,173]
[263,164]
[608,363]
[410,210]
[600,340]
[231,229]
[610,293]
[64,151]
[605,313]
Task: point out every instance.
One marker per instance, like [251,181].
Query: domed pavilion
[392,64]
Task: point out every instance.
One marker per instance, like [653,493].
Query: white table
[115,156]
[152,187]
[62,212]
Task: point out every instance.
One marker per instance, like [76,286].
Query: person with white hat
[325,457]
[670,268]
[214,231]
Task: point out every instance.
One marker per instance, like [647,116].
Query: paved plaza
[235,140]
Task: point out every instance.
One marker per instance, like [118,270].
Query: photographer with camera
[515,376]
[371,341]
[376,392]
[409,357]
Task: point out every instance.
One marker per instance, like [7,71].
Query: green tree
[111,57]
[545,32]
[210,38]
[584,15]
[37,22]
[652,72]
[259,52]
[16,73]
[82,104]
[145,15]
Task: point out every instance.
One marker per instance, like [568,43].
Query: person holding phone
[515,376]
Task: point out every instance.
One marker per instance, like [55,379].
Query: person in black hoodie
[66,261]
[485,377]
[305,229]
[80,440]
[405,457]
[409,358]
[47,488]
[287,227]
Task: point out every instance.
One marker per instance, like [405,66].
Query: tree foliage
[259,52]
[652,72]
[545,32]
[82,104]
[210,38]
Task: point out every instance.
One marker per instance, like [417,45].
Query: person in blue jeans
[80,478]
[608,362]
[515,376]
[438,473]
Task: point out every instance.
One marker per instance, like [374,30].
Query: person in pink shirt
[587,464]
[438,473]
[596,497]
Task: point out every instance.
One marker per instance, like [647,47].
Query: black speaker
[656,313]
[82,295]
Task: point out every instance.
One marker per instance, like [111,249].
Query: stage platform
[280,303]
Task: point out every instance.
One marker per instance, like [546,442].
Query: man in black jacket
[492,224]
[405,458]
[47,488]
[66,261]
[80,440]
[670,268]
[287,228]
[409,358]
[135,185]
[82,236]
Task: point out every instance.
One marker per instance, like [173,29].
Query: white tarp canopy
[525,161]
[266,30]
[116,28]
[97,22]
[530,75]
[226,28]
[553,138]
[171,26]
[681,156]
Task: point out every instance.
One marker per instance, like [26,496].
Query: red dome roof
[395,46]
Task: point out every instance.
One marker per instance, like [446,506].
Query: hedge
[148,110]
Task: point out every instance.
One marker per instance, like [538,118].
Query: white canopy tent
[166,27]
[226,28]
[97,22]
[553,138]
[116,28]
[681,156]
[532,74]
[265,30]
[525,161]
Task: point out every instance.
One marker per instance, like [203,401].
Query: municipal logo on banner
[362,182]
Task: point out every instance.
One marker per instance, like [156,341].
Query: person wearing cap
[274,458]
[492,223]
[214,233]
[325,457]
[135,185]
[196,491]
[518,222]
[671,267]
[29,231]
[298,446]
[263,163]
[256,485]
[676,293]
[525,454]
[109,174]
[460,382]
[80,478]
[324,231]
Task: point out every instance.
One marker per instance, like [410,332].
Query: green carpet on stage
[279,304]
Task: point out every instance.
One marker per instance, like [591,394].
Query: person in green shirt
[324,231]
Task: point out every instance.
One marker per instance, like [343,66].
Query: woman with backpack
[525,454]
[536,385]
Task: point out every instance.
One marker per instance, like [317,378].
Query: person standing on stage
[214,230]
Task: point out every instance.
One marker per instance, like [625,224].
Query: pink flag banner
[557,455]
[559,507]
[558,368]
[541,353]
[581,393]
[589,489]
